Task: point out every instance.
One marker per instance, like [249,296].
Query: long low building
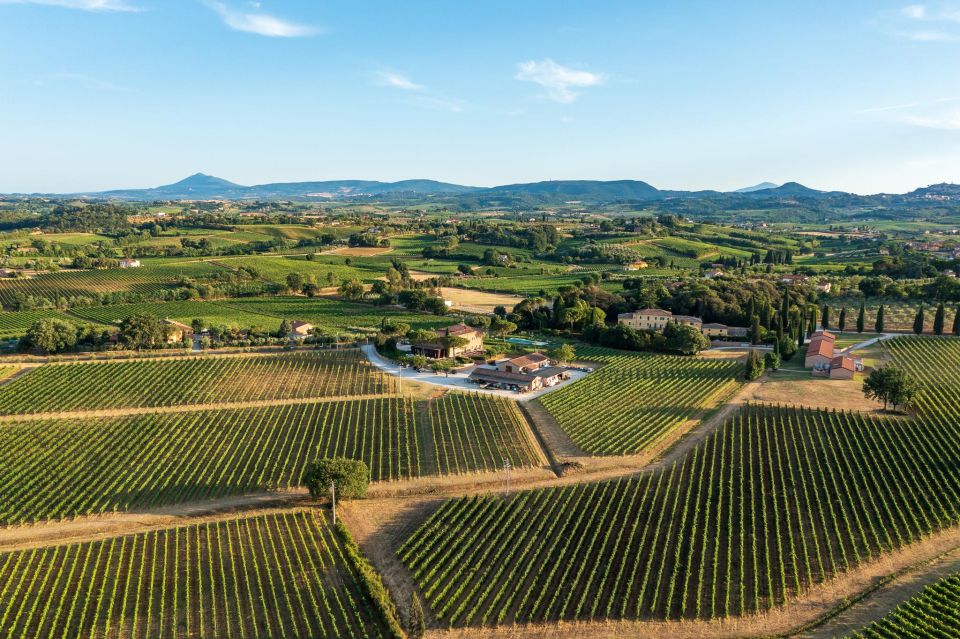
[656,319]
[521,374]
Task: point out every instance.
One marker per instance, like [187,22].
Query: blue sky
[853,95]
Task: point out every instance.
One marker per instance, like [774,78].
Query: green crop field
[897,315]
[16,323]
[52,469]
[148,280]
[479,433]
[196,380]
[933,361]
[633,400]
[275,268]
[776,501]
[210,312]
[526,285]
[327,313]
[931,613]
[284,575]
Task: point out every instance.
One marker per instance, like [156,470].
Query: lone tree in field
[918,321]
[879,323]
[861,317]
[339,477]
[295,282]
[417,626]
[891,385]
[939,319]
[563,354]
[352,290]
[349,476]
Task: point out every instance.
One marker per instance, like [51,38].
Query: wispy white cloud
[920,23]
[929,35]
[892,107]
[915,11]
[259,22]
[949,121]
[560,82]
[929,114]
[418,94]
[84,5]
[398,81]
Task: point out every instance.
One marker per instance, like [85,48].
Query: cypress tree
[755,330]
[879,323]
[861,317]
[918,321]
[813,321]
[938,320]
[956,323]
[825,317]
[843,319]
[801,334]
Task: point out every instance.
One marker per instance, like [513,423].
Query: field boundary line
[188,408]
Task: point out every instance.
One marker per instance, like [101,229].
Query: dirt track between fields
[89,528]
[184,408]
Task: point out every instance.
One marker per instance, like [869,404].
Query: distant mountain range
[207,187]
[757,187]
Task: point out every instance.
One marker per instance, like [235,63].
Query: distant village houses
[177,331]
[300,330]
[129,263]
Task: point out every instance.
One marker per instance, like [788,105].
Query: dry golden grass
[472,300]
[799,389]
[361,251]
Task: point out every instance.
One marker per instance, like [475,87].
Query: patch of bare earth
[813,392]
[89,528]
[478,301]
[360,251]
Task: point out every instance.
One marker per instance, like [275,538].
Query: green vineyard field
[634,400]
[479,433]
[16,323]
[777,500]
[935,363]
[328,313]
[200,380]
[931,613]
[211,313]
[148,280]
[285,575]
[63,468]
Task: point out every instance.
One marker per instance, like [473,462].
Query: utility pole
[506,468]
[333,497]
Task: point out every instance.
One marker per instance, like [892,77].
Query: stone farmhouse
[656,319]
[521,374]
[439,350]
